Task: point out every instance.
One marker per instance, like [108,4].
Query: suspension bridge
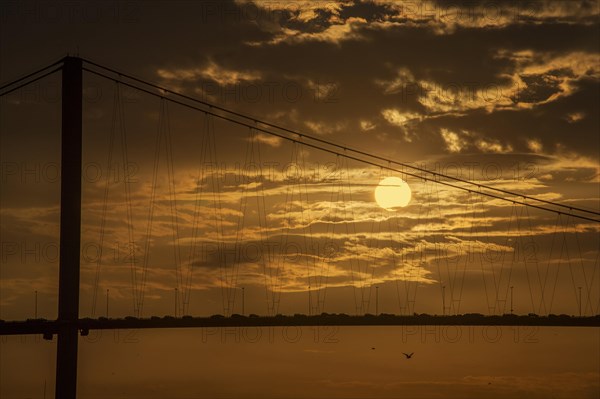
[218,222]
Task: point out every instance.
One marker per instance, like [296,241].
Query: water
[311,362]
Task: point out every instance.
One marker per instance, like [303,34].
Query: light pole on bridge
[376,300]
[443,300]
[176,301]
[309,302]
[579,301]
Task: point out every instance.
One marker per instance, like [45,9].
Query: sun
[392,192]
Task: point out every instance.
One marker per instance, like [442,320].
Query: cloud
[492,146]
[336,34]
[269,140]
[324,127]
[367,125]
[453,142]
[211,71]
[534,145]
[398,118]
[575,117]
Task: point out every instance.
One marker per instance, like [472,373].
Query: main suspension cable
[333,144]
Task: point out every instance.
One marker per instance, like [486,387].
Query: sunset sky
[503,93]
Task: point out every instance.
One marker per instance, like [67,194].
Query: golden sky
[502,94]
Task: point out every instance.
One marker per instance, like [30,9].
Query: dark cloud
[547,122]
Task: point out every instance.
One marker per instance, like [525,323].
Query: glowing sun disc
[392,192]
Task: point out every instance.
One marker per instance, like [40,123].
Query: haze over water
[307,362]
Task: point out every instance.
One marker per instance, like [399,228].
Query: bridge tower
[70,229]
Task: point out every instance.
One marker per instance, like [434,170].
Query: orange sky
[501,96]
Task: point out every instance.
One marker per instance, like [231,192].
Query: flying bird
[408,355]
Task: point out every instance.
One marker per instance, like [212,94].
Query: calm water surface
[316,362]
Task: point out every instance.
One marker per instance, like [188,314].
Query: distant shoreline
[50,327]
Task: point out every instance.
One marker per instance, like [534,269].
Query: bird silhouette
[408,355]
